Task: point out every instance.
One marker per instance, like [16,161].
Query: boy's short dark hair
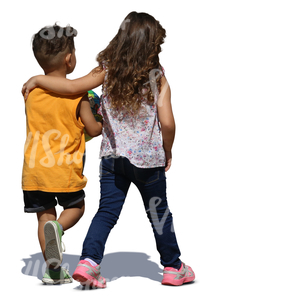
[51,44]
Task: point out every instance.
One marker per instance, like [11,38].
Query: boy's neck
[57,73]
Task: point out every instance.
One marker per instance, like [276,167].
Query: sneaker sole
[59,281]
[53,251]
[178,281]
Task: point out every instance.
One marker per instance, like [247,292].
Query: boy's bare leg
[70,216]
[43,218]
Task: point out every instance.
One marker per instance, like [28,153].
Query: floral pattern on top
[137,138]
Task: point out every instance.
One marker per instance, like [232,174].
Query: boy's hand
[168,160]
[28,86]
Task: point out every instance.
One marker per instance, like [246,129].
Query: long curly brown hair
[130,58]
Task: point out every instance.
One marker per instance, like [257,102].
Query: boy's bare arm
[92,127]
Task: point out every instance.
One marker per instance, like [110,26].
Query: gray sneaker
[54,246]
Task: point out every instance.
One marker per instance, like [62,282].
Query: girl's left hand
[29,86]
[168,160]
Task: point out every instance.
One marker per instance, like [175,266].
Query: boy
[54,148]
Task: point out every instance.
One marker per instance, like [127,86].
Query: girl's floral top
[137,138]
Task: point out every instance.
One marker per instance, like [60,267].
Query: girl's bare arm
[65,86]
[166,119]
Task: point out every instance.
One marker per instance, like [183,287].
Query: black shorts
[36,201]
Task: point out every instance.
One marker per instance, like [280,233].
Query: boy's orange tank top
[55,143]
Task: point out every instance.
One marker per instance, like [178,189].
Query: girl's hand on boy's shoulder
[29,86]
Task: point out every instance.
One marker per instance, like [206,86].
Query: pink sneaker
[178,277]
[88,275]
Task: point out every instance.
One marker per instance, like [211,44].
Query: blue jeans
[116,175]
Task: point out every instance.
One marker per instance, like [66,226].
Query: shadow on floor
[113,266]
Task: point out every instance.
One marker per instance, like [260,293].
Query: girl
[138,134]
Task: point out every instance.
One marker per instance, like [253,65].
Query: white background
[233,189]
